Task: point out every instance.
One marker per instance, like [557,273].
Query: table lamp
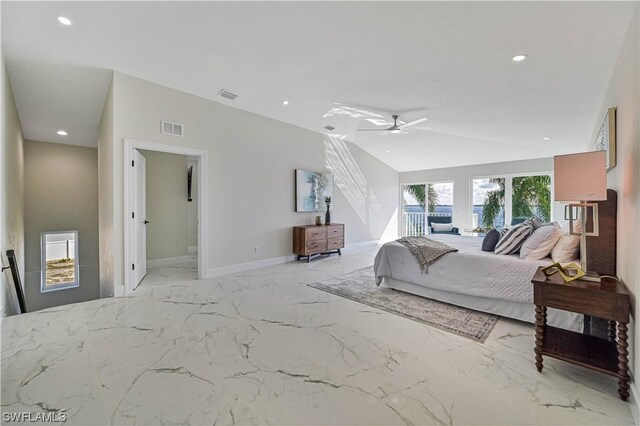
[579,180]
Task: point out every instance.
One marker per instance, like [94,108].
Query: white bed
[471,278]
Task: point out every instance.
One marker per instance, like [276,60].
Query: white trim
[192,249]
[634,404]
[129,146]
[118,291]
[167,261]
[362,244]
[240,267]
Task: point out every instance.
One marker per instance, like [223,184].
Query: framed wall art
[606,138]
[311,190]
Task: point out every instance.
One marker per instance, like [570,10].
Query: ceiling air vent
[329,128]
[174,129]
[228,95]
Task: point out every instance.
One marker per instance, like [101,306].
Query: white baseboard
[192,249]
[167,261]
[634,403]
[232,269]
[362,244]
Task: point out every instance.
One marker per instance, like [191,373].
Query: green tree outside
[531,197]
[418,191]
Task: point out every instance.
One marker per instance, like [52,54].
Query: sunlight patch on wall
[350,180]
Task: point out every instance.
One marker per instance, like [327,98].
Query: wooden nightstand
[607,300]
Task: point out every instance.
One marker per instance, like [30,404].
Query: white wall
[623,93]
[462,183]
[251,173]
[166,205]
[61,194]
[12,198]
[106,212]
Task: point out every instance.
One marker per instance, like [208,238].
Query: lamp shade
[580,177]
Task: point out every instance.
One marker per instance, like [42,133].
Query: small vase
[318,220]
[327,217]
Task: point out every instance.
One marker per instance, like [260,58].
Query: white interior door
[139,218]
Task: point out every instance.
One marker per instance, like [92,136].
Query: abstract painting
[311,188]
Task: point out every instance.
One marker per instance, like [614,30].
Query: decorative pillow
[533,220]
[539,244]
[511,242]
[442,227]
[556,224]
[568,246]
[491,239]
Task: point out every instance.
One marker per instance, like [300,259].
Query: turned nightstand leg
[623,361]
[612,331]
[541,322]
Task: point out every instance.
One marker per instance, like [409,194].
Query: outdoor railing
[414,224]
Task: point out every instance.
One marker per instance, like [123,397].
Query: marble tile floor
[261,347]
[183,271]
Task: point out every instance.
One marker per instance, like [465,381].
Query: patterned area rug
[360,286]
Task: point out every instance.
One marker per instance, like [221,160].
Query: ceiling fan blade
[375,130]
[412,123]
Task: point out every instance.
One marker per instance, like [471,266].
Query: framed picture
[606,138]
[311,188]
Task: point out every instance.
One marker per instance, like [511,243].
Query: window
[500,201]
[488,202]
[59,260]
[531,197]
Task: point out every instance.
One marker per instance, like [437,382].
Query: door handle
[146,221]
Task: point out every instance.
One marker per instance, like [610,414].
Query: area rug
[360,286]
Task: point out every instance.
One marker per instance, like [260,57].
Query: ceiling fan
[396,128]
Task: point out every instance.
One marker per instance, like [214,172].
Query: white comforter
[469,271]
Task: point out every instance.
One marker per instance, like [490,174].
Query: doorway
[136,216]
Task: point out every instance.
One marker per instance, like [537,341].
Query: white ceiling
[448,61]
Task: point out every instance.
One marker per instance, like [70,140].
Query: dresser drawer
[335,231]
[335,243]
[316,246]
[314,234]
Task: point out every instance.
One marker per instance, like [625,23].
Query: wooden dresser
[310,240]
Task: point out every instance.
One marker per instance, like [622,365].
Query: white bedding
[470,271]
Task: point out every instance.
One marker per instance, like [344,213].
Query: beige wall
[623,93]
[12,200]
[192,207]
[166,205]
[462,182]
[61,194]
[250,173]
[106,208]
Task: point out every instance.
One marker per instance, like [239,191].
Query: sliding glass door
[424,204]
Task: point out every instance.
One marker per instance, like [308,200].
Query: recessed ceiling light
[547,139]
[62,132]
[388,152]
[285,103]
[519,57]
[64,20]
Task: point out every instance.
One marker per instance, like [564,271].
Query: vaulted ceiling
[345,64]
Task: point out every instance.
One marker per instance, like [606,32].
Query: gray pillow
[491,239]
